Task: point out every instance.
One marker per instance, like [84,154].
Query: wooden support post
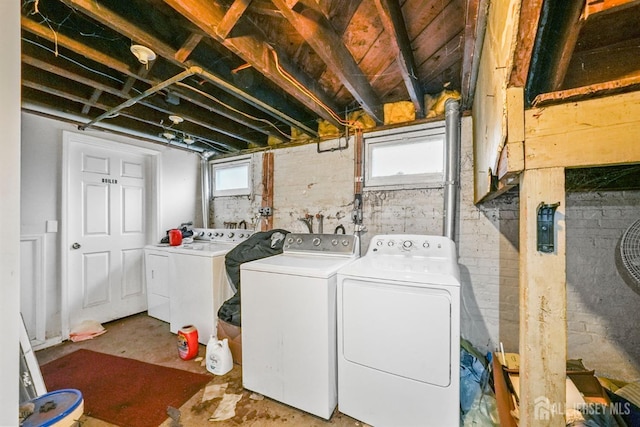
[543,301]
[267,190]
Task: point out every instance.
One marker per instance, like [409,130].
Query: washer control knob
[345,242]
[379,243]
[334,242]
[298,240]
[390,243]
[407,244]
[231,235]
[316,241]
[211,234]
[290,240]
[425,245]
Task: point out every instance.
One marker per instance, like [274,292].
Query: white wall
[9,211]
[41,194]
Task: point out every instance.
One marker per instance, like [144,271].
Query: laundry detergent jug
[219,360]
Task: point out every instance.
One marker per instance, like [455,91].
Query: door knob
[75,246]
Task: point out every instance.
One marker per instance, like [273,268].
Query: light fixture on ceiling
[175,119]
[188,140]
[169,135]
[143,53]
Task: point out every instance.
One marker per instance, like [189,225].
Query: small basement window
[231,177]
[411,157]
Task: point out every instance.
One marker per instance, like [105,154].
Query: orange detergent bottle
[188,342]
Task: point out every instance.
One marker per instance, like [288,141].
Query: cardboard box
[234,335]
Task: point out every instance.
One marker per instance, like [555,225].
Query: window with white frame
[408,157]
[231,177]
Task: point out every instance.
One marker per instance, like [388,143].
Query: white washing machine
[399,333]
[196,279]
[288,308]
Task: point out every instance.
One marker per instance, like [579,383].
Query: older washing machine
[399,333]
[289,321]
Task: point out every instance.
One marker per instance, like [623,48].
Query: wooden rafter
[527,29]
[122,26]
[232,17]
[203,120]
[256,51]
[187,47]
[393,22]
[569,38]
[80,48]
[474,23]
[317,32]
[597,6]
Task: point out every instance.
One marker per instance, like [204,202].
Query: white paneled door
[106,207]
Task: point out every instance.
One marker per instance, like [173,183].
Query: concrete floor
[148,339]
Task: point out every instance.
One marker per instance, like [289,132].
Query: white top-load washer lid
[411,258]
[309,255]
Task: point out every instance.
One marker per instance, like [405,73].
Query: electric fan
[629,256]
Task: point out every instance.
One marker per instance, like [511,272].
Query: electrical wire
[212,98]
[347,123]
[78,63]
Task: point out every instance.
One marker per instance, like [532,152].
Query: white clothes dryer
[399,333]
[288,307]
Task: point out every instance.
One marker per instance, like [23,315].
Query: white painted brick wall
[239,208]
[602,311]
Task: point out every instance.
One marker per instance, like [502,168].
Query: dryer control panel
[412,244]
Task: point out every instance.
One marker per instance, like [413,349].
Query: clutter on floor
[591,401]
[86,330]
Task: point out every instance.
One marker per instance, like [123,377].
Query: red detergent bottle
[188,342]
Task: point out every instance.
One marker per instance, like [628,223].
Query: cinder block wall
[603,312]
[602,318]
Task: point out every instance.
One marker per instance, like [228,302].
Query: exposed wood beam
[474,28]
[567,41]
[187,47]
[143,71]
[267,189]
[204,120]
[597,6]
[256,51]
[79,48]
[527,30]
[543,302]
[232,16]
[579,134]
[318,33]
[94,98]
[393,22]
[581,93]
[122,26]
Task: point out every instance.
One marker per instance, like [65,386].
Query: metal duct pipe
[204,186]
[451,165]
[129,102]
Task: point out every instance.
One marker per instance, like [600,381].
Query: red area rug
[122,391]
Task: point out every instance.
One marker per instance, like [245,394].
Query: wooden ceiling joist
[255,51]
[122,26]
[597,6]
[318,33]
[393,22]
[232,16]
[187,47]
